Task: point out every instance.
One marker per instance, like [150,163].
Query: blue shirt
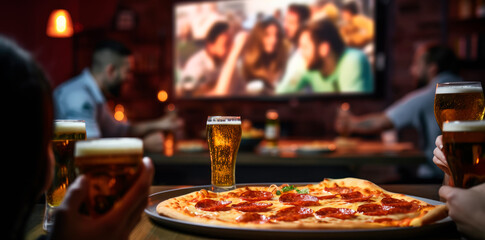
[416,110]
[80,98]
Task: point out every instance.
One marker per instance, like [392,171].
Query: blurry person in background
[357,30]
[432,64]
[202,70]
[325,9]
[186,45]
[83,98]
[28,135]
[296,16]
[264,56]
[465,206]
[256,61]
[333,67]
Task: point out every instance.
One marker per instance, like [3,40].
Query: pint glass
[464,148]
[111,165]
[224,137]
[66,133]
[458,101]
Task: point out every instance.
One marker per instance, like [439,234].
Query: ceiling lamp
[59,24]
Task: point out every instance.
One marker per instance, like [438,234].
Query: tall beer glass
[464,148]
[66,133]
[111,165]
[224,137]
[458,101]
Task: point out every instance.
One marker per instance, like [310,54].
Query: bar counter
[290,163]
[147,229]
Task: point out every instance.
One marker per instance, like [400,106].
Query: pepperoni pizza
[333,203]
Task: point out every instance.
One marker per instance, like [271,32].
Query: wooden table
[146,229]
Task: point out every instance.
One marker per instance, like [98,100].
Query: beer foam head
[458,88]
[464,126]
[223,120]
[69,126]
[108,146]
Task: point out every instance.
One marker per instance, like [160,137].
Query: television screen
[274,48]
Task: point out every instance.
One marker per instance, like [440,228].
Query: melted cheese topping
[186,204]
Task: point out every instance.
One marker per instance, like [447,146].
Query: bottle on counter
[272,128]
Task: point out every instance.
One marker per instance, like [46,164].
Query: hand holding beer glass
[224,137]
[111,165]
[66,133]
[458,101]
[464,148]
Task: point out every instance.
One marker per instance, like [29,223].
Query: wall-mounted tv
[273,49]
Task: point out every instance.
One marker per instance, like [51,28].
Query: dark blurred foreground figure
[28,131]
[432,64]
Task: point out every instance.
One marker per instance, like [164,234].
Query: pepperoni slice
[340,213]
[256,195]
[372,209]
[299,199]
[252,217]
[355,197]
[395,206]
[351,195]
[212,205]
[252,206]
[405,207]
[391,201]
[327,197]
[292,214]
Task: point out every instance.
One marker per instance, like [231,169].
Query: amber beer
[224,137]
[458,101]
[66,134]
[464,148]
[111,165]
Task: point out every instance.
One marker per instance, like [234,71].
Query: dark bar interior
[324,88]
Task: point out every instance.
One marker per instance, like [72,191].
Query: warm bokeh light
[272,114]
[171,107]
[162,95]
[345,106]
[119,108]
[119,114]
[59,24]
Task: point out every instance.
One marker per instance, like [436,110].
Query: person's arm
[115,224]
[225,77]
[168,122]
[467,209]
[368,124]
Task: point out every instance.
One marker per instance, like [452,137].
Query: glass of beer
[458,101]
[224,137]
[66,133]
[464,148]
[111,165]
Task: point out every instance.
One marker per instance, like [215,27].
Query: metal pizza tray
[441,228]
